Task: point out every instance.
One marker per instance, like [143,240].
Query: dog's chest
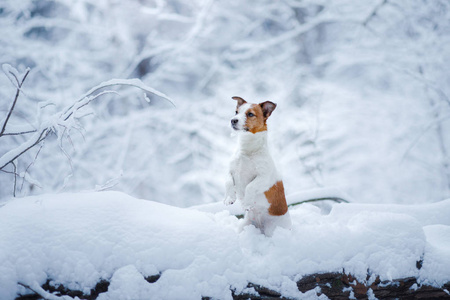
[243,170]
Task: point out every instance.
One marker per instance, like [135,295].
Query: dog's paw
[228,200]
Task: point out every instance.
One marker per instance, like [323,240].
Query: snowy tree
[361,87]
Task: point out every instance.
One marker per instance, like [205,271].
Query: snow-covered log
[114,246]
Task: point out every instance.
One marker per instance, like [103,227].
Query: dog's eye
[250,115]
[236,112]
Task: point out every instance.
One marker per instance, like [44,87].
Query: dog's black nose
[234,121]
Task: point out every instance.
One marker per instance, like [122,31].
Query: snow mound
[79,239]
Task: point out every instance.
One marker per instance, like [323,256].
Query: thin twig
[15,99]
[74,108]
[15,179]
[41,137]
[427,83]
[20,133]
[310,171]
[15,77]
[335,199]
[420,135]
[374,13]
[9,172]
[32,163]
[61,137]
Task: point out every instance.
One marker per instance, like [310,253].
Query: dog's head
[251,117]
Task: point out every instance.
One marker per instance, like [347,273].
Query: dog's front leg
[256,187]
[230,190]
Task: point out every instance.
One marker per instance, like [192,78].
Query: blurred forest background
[362,87]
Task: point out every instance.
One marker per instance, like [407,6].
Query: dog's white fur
[252,173]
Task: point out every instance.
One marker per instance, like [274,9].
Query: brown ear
[267,108]
[240,101]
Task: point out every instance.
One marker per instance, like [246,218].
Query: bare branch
[32,163]
[15,178]
[69,159]
[15,99]
[19,133]
[248,49]
[430,125]
[335,199]
[10,156]
[374,12]
[427,83]
[15,77]
[9,172]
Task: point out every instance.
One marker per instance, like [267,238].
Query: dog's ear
[267,108]
[239,100]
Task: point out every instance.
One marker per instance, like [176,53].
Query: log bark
[337,286]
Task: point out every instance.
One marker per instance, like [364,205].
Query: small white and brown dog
[253,178]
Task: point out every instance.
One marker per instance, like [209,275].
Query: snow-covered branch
[32,141]
[59,123]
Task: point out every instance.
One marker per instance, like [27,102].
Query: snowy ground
[78,239]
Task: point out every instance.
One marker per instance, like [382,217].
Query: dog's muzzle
[234,124]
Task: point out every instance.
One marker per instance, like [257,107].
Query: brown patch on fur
[277,200]
[257,122]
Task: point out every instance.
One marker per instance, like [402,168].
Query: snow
[437,260]
[78,239]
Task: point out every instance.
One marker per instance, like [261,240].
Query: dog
[253,178]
